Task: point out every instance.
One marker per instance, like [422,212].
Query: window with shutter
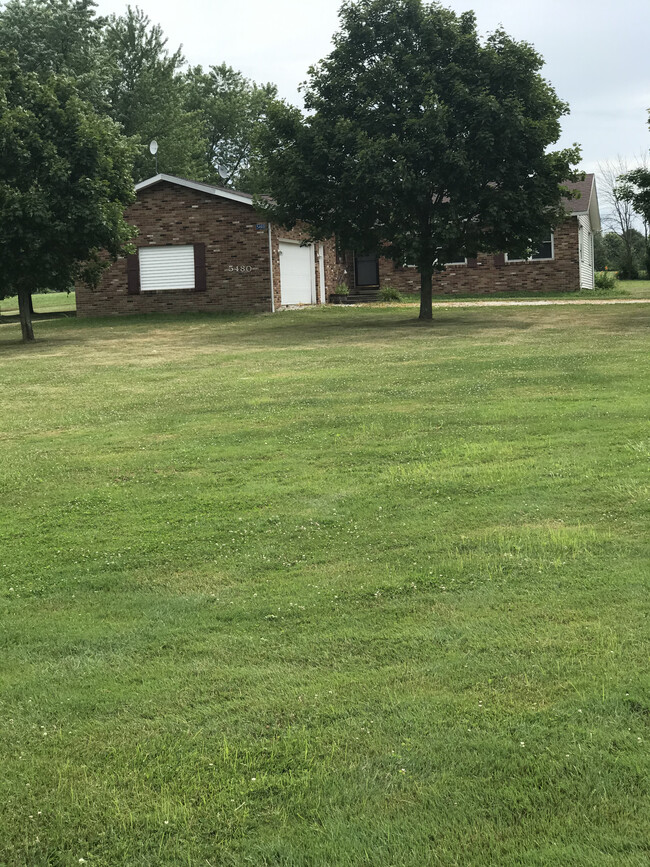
[167,268]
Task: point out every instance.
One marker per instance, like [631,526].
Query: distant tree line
[625,195]
[624,253]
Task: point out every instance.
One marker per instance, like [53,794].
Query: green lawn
[622,289]
[49,302]
[329,587]
[635,288]
[52,302]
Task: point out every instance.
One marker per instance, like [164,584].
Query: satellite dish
[153,147]
[224,171]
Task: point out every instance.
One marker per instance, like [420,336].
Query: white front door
[297,284]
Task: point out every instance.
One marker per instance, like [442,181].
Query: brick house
[564,261]
[205,248]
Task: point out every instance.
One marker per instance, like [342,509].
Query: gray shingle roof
[579,206]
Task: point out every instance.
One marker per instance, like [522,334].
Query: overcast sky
[596,52]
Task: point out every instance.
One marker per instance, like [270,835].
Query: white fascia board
[594,210]
[194,185]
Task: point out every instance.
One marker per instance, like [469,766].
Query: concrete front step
[362,297]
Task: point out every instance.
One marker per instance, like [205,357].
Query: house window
[166,268]
[545,249]
[542,251]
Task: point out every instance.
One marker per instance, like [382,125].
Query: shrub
[605,280]
[389,293]
[341,289]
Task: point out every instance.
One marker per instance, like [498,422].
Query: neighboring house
[202,247]
[563,262]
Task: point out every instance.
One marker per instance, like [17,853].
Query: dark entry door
[366,271]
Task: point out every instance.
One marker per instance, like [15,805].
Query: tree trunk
[24,305]
[426,287]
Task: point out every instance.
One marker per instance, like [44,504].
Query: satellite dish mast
[153,150]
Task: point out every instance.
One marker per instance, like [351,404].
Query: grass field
[329,587]
[49,302]
[52,302]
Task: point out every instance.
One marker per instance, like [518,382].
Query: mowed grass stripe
[326,587]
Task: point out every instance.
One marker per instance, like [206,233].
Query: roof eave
[594,210]
[193,185]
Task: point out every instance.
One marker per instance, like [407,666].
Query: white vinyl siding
[586,252]
[166,268]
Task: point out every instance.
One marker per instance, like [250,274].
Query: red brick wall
[169,214]
[560,275]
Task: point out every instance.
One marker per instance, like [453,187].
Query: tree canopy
[123,66]
[420,140]
[63,37]
[65,179]
[230,108]
[147,94]
[634,189]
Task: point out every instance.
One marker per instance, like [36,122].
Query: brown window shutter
[133,274]
[200,277]
[500,260]
[472,263]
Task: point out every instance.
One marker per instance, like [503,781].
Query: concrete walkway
[514,303]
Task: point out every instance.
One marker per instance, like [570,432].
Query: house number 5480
[241,269]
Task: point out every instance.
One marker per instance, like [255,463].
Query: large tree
[421,141]
[63,37]
[633,189]
[65,179]
[123,65]
[147,96]
[621,215]
[231,109]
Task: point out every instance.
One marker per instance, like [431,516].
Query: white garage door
[296,274]
[166,268]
